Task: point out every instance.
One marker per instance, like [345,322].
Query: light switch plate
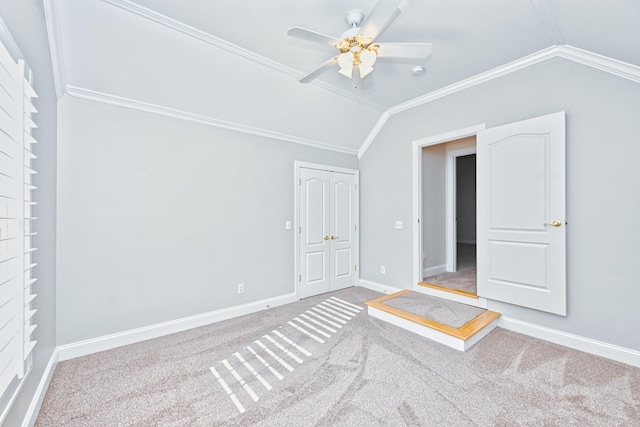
[398,225]
[287,225]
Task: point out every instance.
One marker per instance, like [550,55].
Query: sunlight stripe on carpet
[324,319]
[266,364]
[291,343]
[226,388]
[275,356]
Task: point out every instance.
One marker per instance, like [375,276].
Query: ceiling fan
[357,46]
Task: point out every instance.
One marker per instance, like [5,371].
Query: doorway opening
[448,193]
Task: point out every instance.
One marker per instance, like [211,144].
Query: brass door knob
[555,223]
[326,237]
[334,237]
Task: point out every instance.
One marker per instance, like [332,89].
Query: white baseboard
[378,287]
[577,342]
[34,407]
[432,271]
[108,342]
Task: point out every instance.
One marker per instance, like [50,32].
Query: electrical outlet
[382,269]
[398,225]
[241,288]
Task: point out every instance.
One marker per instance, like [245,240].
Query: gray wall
[603,206]
[434,201]
[160,218]
[25,21]
[466,199]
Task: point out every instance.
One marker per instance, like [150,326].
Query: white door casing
[521,251]
[327,230]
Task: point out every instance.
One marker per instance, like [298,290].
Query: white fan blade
[382,15]
[321,69]
[404,50]
[312,36]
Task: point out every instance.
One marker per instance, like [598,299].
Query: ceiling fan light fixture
[367,59]
[346,62]
[365,70]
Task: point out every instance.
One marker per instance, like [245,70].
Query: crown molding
[500,71]
[105,98]
[212,40]
[52,19]
[600,62]
[585,57]
[373,133]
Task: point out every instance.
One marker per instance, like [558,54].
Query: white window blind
[16,203]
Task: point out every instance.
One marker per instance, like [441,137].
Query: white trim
[600,62]
[54,34]
[432,271]
[119,101]
[34,407]
[378,287]
[584,57]
[108,342]
[373,133]
[451,208]
[577,342]
[234,49]
[417,187]
[297,165]
[430,333]
[500,71]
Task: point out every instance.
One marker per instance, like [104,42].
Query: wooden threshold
[445,289]
[464,332]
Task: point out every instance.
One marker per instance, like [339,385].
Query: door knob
[326,237]
[334,237]
[555,223]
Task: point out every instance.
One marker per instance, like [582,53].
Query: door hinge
[299,181]
[299,230]
[355,268]
[355,227]
[355,186]
[299,278]
[418,220]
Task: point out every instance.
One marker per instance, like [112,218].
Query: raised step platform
[456,325]
[457,295]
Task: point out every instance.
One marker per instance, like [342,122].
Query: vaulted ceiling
[231,63]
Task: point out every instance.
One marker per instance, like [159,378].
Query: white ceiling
[232,64]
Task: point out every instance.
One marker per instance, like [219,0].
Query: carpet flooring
[440,310]
[366,373]
[466,276]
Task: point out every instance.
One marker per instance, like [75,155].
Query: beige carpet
[440,310]
[465,277]
[366,373]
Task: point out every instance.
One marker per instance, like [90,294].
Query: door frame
[416,150]
[450,219]
[297,165]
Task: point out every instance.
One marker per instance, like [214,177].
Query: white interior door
[327,234]
[342,248]
[314,232]
[521,213]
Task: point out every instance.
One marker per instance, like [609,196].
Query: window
[16,203]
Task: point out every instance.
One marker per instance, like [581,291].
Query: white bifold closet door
[327,231]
